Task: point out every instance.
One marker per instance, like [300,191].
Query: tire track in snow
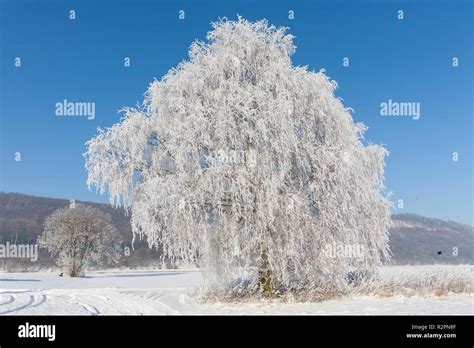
[91,309]
[42,299]
[97,302]
[33,300]
[152,303]
[113,302]
[10,300]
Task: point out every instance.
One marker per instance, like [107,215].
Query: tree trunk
[265,276]
[72,271]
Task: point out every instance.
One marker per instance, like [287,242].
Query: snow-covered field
[172,292]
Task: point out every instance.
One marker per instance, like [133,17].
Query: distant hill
[413,239]
[22,217]
[417,239]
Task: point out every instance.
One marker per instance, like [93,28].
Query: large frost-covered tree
[80,236]
[249,166]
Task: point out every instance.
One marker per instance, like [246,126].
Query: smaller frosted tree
[80,236]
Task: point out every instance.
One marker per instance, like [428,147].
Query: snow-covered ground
[172,292]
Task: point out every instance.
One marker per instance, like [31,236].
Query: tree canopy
[247,165]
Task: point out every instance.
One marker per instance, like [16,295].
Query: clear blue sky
[82,60]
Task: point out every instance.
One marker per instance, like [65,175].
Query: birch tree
[80,236]
[248,166]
